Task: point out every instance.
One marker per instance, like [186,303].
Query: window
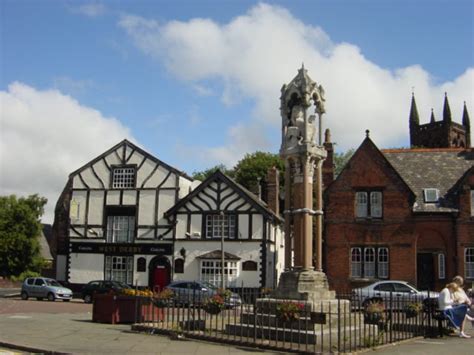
[369,262]
[141,265]
[120,229]
[211,272]
[123,178]
[216,224]
[39,282]
[472,202]
[441,266]
[431,195]
[368,204]
[469,263]
[179,266]
[249,265]
[119,268]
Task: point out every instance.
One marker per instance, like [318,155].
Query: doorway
[159,273]
[425,271]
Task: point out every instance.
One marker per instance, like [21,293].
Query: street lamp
[222,249]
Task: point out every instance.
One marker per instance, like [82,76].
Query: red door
[160,277]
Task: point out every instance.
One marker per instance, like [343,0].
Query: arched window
[249,265]
[179,266]
[141,265]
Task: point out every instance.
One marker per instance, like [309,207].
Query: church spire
[432,119]
[414,118]
[446,110]
[465,117]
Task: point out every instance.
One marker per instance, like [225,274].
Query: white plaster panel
[102,172]
[185,187]
[113,197]
[144,171]
[257,226]
[246,251]
[214,185]
[141,278]
[181,226]
[200,204]
[90,179]
[145,233]
[96,206]
[243,226]
[129,197]
[209,201]
[190,207]
[136,158]
[166,201]
[166,233]
[196,223]
[228,196]
[128,150]
[237,203]
[73,234]
[85,267]
[158,176]
[146,209]
[77,183]
[112,158]
[79,197]
[171,181]
[61,267]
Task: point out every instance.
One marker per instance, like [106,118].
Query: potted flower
[412,309]
[374,313]
[289,311]
[265,291]
[214,304]
[161,299]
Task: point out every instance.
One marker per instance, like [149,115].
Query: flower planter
[373,318]
[411,313]
[212,308]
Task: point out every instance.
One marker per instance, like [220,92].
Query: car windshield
[53,283]
[209,285]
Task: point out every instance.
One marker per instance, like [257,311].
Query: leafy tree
[255,166]
[20,227]
[341,159]
[204,174]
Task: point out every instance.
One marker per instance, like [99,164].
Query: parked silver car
[196,292]
[43,287]
[393,293]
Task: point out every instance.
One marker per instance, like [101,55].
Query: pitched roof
[431,168]
[246,194]
[217,254]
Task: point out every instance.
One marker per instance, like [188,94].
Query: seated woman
[455,312]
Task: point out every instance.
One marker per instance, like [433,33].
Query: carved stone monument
[303,157]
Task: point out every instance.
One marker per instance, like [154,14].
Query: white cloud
[255,53]
[91,10]
[45,135]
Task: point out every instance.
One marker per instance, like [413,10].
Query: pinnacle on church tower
[446,110]
[465,117]
[432,118]
[414,118]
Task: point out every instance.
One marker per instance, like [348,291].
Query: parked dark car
[43,287]
[196,292]
[100,287]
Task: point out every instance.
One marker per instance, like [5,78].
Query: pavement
[59,327]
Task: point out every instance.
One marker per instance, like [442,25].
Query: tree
[20,228]
[254,167]
[340,161]
[204,174]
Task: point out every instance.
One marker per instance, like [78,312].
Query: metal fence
[349,323]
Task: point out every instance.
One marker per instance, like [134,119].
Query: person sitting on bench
[456,313]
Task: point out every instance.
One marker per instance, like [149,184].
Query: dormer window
[123,177]
[431,195]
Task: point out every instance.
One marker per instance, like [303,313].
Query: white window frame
[383,260]
[120,229]
[469,263]
[216,223]
[123,178]
[361,204]
[356,262]
[210,271]
[369,262]
[119,268]
[376,203]
[428,195]
[441,266]
[369,204]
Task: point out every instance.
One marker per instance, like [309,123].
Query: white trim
[441,266]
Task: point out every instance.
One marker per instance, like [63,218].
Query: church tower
[439,134]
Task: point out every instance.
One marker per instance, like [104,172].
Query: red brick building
[405,214]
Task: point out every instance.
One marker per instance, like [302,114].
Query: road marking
[430,342]
[20,317]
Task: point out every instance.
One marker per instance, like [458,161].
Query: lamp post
[222,250]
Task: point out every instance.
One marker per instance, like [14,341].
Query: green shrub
[24,275]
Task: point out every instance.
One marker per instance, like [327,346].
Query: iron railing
[348,323]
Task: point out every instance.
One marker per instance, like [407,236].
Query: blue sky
[196,83]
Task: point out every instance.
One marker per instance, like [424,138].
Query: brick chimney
[273,190]
[328,164]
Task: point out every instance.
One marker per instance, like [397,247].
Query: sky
[197,83]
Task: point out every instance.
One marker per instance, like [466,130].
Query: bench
[434,314]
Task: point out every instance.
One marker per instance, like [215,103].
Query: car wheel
[51,297]
[87,299]
[24,295]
